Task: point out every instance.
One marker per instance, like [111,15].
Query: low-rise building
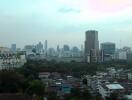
[122,55]
[107,89]
[130,76]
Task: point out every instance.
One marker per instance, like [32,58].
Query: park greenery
[77,69]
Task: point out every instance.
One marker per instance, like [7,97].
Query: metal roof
[114,86]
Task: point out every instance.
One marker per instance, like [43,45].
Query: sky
[64,21]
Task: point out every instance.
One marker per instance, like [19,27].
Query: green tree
[53,96]
[113,96]
[98,97]
[36,87]
[86,95]
[11,81]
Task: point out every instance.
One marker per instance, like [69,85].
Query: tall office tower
[91,46]
[66,51]
[51,52]
[13,48]
[108,51]
[66,48]
[75,52]
[108,48]
[58,48]
[39,47]
[46,47]
[82,51]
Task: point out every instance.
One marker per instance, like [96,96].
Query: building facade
[108,50]
[91,46]
[13,48]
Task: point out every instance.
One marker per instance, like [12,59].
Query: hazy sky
[64,21]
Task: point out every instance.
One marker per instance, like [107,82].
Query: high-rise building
[13,48]
[66,51]
[29,49]
[108,51]
[58,51]
[108,48]
[39,47]
[75,49]
[91,46]
[46,47]
[58,48]
[51,52]
[75,52]
[66,48]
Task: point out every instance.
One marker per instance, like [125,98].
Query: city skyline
[81,46]
[29,21]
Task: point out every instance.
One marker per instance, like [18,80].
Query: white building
[112,71]
[107,89]
[130,76]
[122,55]
[44,75]
[9,61]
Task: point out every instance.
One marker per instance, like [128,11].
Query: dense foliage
[14,81]
[74,68]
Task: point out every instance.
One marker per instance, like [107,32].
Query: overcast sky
[64,21]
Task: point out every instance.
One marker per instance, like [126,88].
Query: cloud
[110,5]
[68,10]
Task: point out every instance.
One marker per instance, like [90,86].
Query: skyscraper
[13,48]
[91,46]
[39,47]
[58,48]
[66,48]
[46,47]
[108,48]
[108,51]
[66,51]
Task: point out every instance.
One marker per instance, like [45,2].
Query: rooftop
[114,86]
[108,43]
